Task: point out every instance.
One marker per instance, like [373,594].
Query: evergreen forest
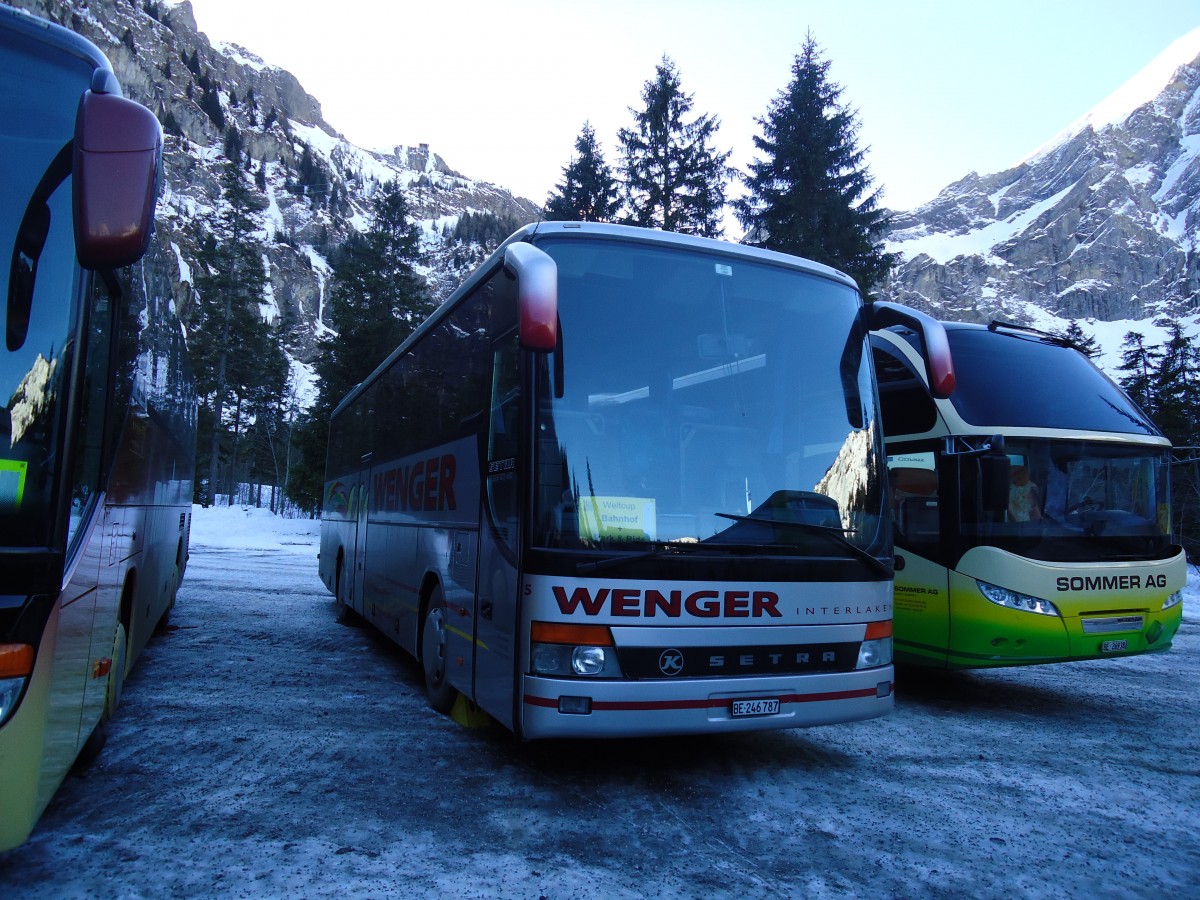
[807,192]
[1164,380]
[257,433]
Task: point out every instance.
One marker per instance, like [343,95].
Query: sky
[500,90]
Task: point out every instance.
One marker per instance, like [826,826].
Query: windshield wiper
[836,535]
[621,558]
[680,549]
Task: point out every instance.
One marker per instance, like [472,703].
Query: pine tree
[1081,340]
[1177,388]
[588,191]
[810,194]
[210,102]
[672,178]
[233,144]
[232,348]
[375,300]
[1140,363]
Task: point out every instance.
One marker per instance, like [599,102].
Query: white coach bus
[626,482]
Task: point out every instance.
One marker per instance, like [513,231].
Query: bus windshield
[1078,501]
[1002,383]
[702,398]
[39,278]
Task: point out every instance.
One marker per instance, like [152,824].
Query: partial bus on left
[97,430]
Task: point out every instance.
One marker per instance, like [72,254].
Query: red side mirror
[939,362]
[118,154]
[537,295]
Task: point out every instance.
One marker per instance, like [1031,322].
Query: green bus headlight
[1010,599]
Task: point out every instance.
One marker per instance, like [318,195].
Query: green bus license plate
[1114,646]
[742,708]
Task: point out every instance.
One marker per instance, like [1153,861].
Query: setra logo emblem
[670,662]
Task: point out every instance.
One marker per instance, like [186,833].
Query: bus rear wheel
[342,611]
[434,656]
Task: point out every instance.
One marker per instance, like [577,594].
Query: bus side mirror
[939,364]
[118,160]
[537,295]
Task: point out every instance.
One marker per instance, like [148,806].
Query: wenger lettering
[704,604]
[420,487]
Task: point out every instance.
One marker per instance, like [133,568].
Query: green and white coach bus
[626,482]
[1031,508]
[97,429]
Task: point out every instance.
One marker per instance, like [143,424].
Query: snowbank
[247,528]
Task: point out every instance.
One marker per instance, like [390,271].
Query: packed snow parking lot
[263,750]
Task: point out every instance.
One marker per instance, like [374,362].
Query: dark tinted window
[433,394]
[904,400]
[38,273]
[1008,379]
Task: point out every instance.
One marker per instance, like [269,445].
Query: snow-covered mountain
[313,185]
[1099,225]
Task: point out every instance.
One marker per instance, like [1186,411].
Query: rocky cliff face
[313,185]
[1100,225]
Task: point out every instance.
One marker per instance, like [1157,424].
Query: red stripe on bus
[649,705]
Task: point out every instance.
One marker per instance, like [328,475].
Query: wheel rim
[434,647]
[116,678]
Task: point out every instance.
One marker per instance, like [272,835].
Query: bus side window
[914,502]
[90,421]
[504,439]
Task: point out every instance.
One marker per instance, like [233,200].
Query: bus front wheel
[112,698]
[116,675]
[434,655]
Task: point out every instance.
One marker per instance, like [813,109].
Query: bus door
[921,604]
[497,607]
[356,545]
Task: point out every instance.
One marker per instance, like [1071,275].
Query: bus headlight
[874,653]
[1014,600]
[1174,600]
[587,660]
[876,648]
[16,664]
[573,650]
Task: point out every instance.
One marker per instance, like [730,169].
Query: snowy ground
[261,750]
